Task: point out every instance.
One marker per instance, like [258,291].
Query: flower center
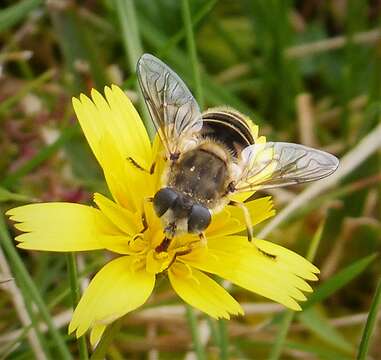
[158,253]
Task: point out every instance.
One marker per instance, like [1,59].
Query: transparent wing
[277,164]
[173,109]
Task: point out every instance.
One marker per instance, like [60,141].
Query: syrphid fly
[213,155]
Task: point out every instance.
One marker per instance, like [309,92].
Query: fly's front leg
[178,253]
[138,166]
[203,241]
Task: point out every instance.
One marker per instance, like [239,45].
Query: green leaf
[318,324]
[15,13]
[370,324]
[339,280]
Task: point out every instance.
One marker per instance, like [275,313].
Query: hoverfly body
[212,155]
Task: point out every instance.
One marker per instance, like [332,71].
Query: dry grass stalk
[306,119]
[19,305]
[366,37]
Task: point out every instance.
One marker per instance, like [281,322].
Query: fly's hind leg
[246,215]
[249,226]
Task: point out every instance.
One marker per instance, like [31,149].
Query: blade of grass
[276,350]
[213,92]
[288,315]
[78,45]
[13,14]
[6,195]
[223,339]
[205,9]
[370,324]
[339,280]
[192,51]
[319,325]
[6,104]
[192,323]
[318,351]
[75,297]
[133,49]
[24,313]
[25,280]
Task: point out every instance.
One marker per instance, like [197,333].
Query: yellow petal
[231,219]
[132,134]
[96,334]
[115,133]
[280,278]
[61,227]
[114,291]
[118,116]
[198,290]
[290,260]
[119,216]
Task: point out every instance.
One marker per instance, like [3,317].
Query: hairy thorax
[202,174]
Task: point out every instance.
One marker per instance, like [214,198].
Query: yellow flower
[127,225]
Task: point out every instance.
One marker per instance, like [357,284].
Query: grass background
[306,71]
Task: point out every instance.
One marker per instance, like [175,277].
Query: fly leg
[144,222]
[246,215]
[202,242]
[138,166]
[178,253]
[249,226]
[169,233]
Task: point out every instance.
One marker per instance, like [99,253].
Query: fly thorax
[201,175]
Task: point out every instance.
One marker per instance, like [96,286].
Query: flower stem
[192,52]
[223,339]
[192,323]
[75,296]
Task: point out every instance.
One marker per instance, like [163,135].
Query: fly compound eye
[163,200]
[199,219]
